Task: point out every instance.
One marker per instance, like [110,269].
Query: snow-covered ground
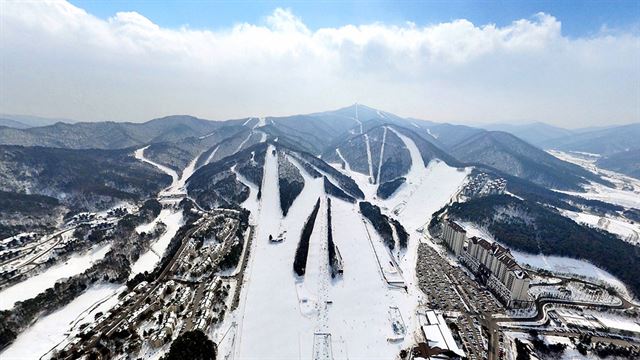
[34,285]
[563,265]
[178,183]
[627,189]
[616,322]
[627,230]
[280,315]
[270,324]
[148,260]
[360,323]
[51,330]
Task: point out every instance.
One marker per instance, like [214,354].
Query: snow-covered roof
[438,334]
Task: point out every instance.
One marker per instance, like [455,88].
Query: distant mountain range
[109,135]
[28,121]
[514,150]
[600,140]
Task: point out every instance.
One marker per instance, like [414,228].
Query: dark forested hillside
[22,212]
[84,179]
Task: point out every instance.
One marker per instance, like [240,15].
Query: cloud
[59,60]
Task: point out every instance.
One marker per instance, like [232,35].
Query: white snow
[34,285]
[178,182]
[261,122]
[628,230]
[359,324]
[50,330]
[384,141]
[357,119]
[139,154]
[627,189]
[346,163]
[369,159]
[244,142]
[247,121]
[186,174]
[617,322]
[213,153]
[564,265]
[148,260]
[270,324]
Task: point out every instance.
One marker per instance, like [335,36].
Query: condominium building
[495,266]
[454,236]
[492,263]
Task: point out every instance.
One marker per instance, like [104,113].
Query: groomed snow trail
[148,260]
[347,167]
[366,138]
[384,142]
[213,153]
[360,324]
[139,154]
[270,323]
[357,119]
[243,142]
[178,182]
[262,121]
[247,121]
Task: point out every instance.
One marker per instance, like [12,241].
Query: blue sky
[579,18]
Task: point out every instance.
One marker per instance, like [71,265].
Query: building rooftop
[455,226]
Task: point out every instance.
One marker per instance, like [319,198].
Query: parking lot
[450,289]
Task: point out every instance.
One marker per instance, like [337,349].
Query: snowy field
[627,230]
[270,324]
[563,265]
[627,189]
[50,331]
[148,260]
[34,285]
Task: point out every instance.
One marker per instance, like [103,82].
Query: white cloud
[58,60]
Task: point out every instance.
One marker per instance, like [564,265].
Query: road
[493,323]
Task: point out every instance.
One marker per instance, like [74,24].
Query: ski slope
[147,261]
[34,285]
[50,331]
[139,154]
[178,183]
[270,323]
[282,316]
